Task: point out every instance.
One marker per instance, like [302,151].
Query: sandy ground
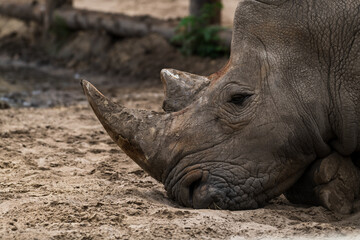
[164,9]
[61,177]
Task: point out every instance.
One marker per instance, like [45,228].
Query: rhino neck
[331,111]
[345,115]
[339,61]
[344,95]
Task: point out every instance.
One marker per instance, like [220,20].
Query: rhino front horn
[135,131]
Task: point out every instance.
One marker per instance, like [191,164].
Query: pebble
[4,105]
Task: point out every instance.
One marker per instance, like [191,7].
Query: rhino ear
[181,88]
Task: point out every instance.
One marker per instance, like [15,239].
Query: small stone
[4,105]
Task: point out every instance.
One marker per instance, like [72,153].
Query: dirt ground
[62,177]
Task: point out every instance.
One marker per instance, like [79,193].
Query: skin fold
[283,112]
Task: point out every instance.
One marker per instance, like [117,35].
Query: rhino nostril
[201,193]
[192,188]
[189,183]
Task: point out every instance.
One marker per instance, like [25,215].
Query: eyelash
[239,99]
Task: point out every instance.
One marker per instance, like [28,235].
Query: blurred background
[46,46]
[163,9]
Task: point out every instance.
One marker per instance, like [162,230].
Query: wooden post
[51,5]
[197,5]
[61,3]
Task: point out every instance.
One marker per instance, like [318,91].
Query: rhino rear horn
[181,88]
[135,131]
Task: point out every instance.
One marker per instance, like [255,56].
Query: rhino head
[237,138]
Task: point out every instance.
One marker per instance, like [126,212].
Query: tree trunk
[50,7]
[197,5]
[117,24]
[76,19]
[26,12]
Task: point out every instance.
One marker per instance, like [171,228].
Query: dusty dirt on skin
[62,177]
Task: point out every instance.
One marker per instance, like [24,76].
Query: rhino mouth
[196,187]
[203,187]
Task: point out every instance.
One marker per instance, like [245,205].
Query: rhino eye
[239,99]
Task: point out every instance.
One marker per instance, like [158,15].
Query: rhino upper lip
[190,179]
[167,176]
[176,160]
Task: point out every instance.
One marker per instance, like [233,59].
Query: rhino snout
[193,191]
[196,192]
[187,186]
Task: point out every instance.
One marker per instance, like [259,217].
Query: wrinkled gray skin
[284,109]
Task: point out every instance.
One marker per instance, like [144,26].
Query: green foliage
[196,36]
[60,31]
